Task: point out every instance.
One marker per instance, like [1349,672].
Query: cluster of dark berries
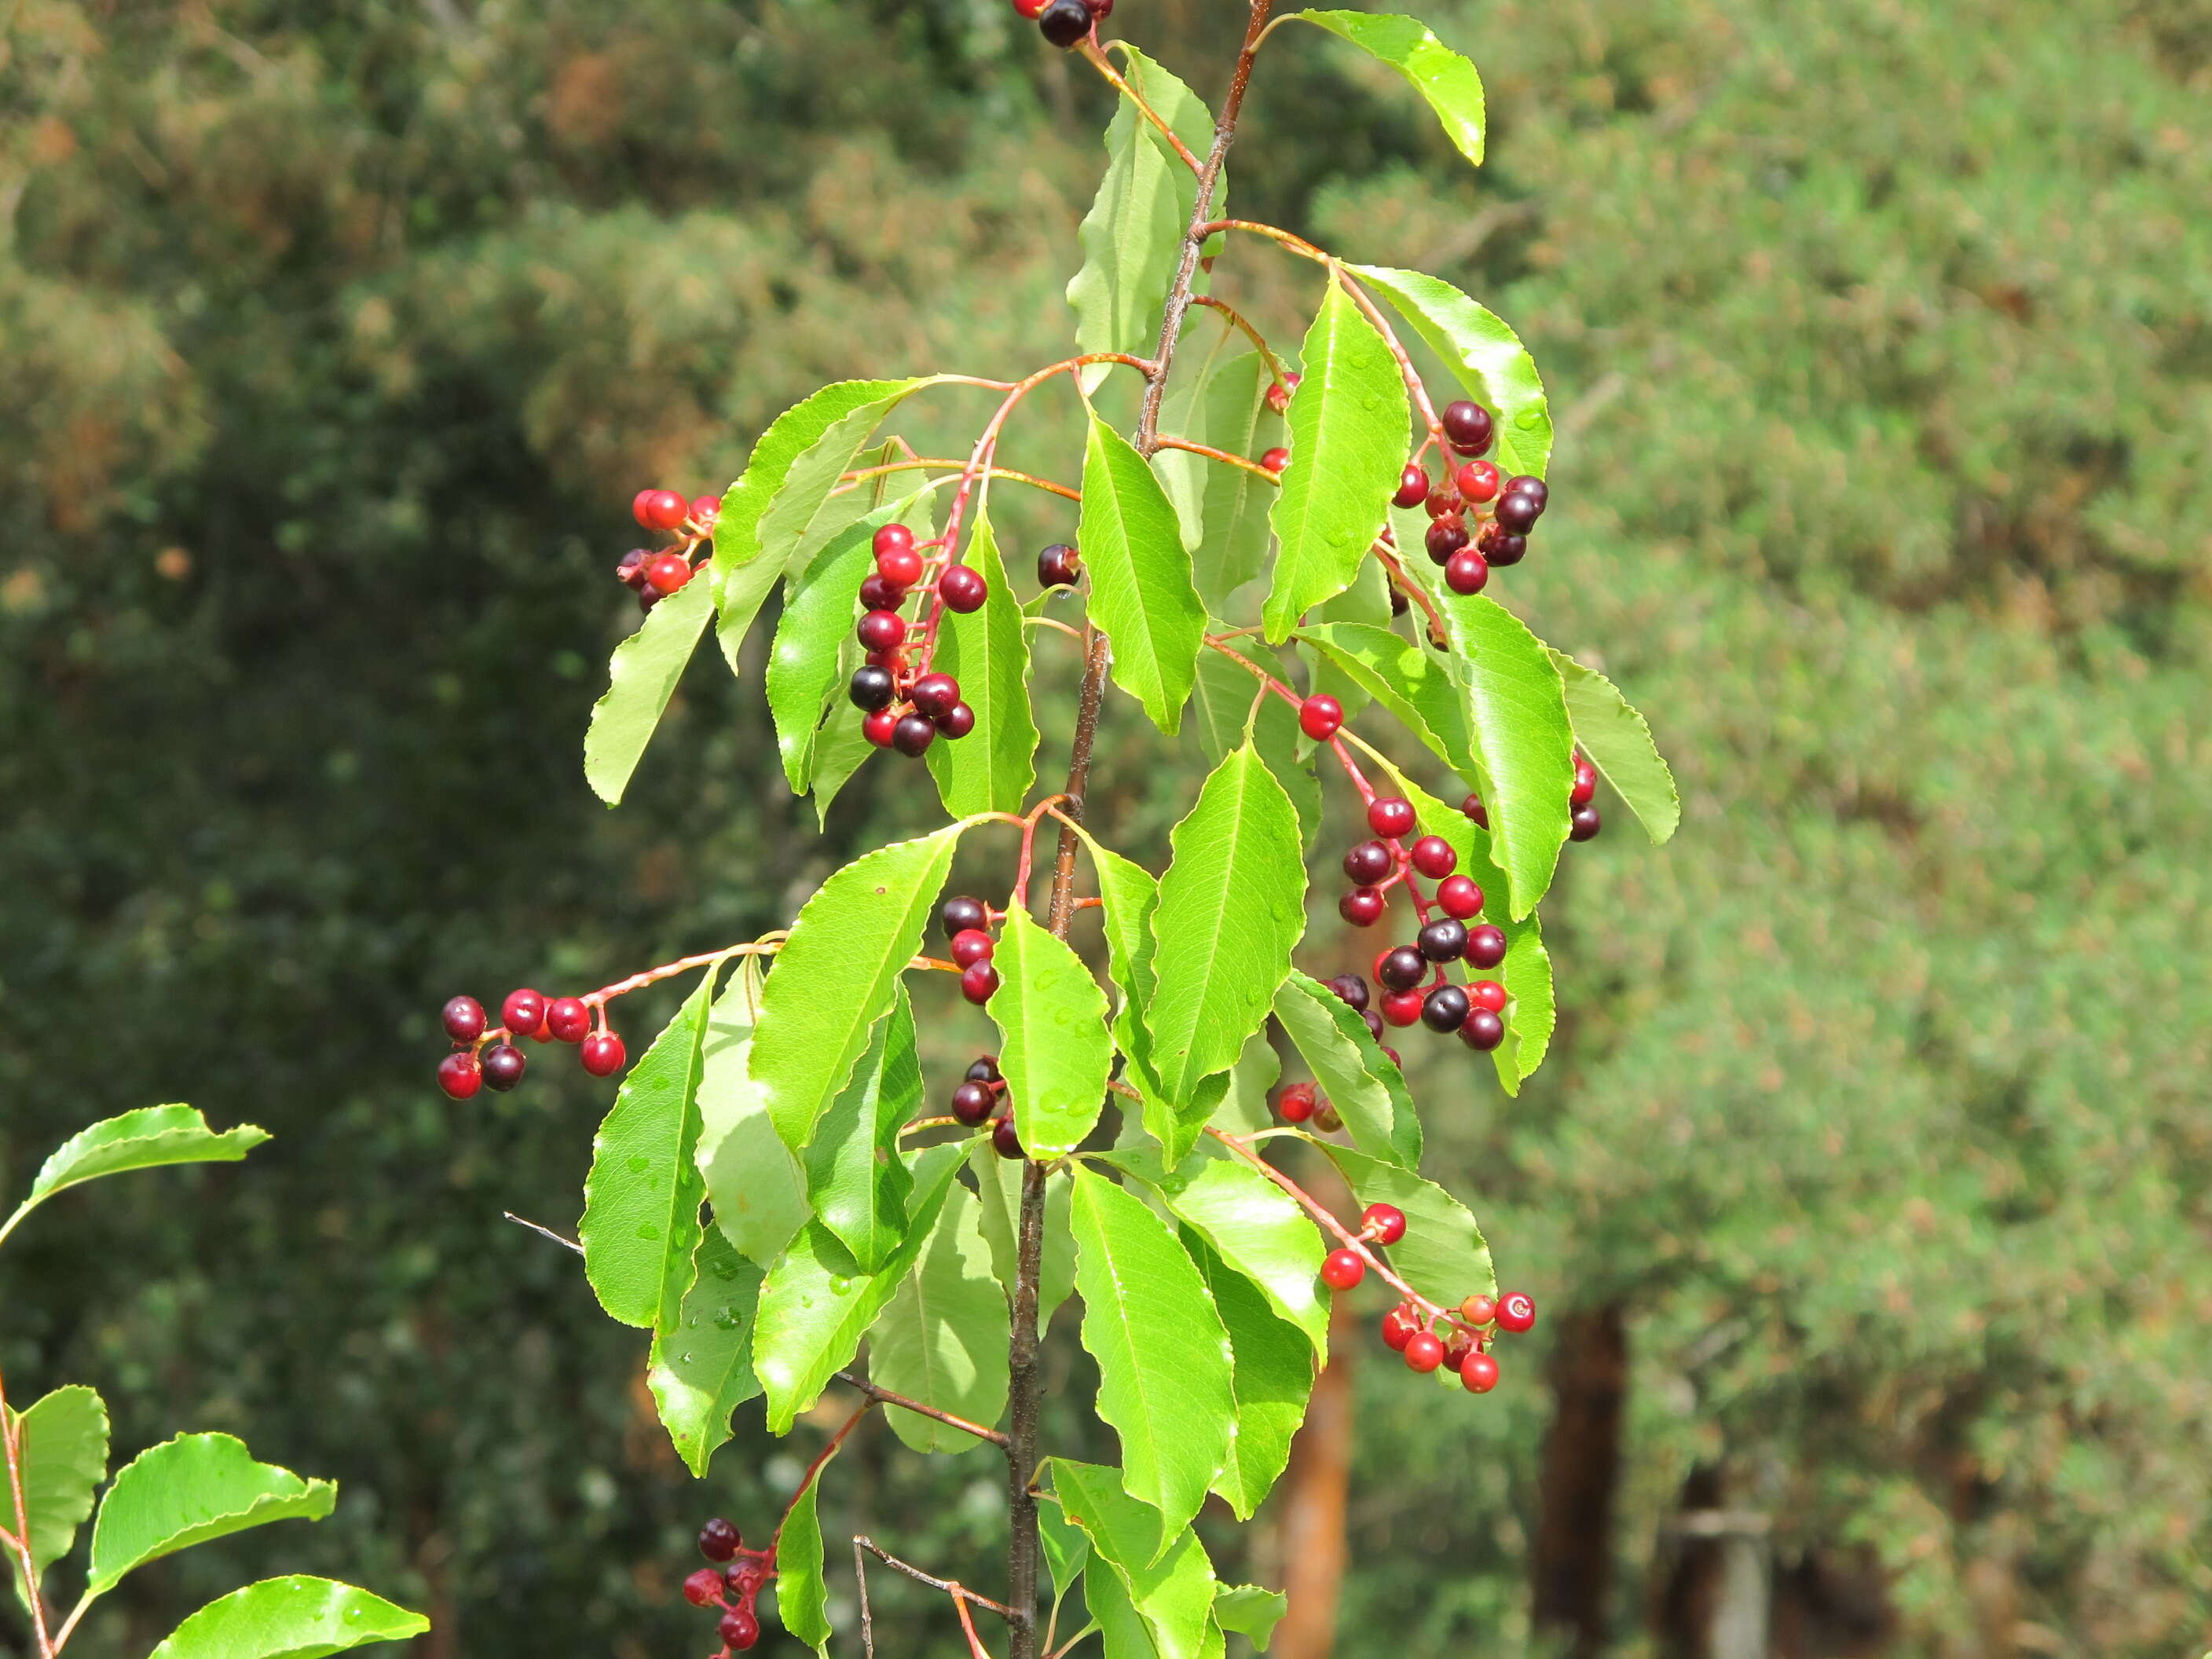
[653,573]
[979,1099]
[1582,823]
[903,708]
[1460,1343]
[1414,985]
[1301,1103]
[733,1583]
[485,1058]
[1478,517]
[1065,22]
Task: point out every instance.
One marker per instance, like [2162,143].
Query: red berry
[1457,1345]
[738,1629]
[1389,815]
[932,694]
[1368,862]
[667,573]
[1466,573]
[1342,1270]
[878,726]
[603,1054]
[877,594]
[568,1019]
[1294,1103]
[1433,857]
[971,946]
[1059,565]
[660,509]
[1487,994]
[1485,946]
[1458,897]
[465,1019]
[912,735]
[703,1588]
[961,589]
[972,1102]
[1478,1371]
[1278,391]
[1362,907]
[1478,1310]
[1476,812]
[1101,9]
[957,722]
[900,566]
[460,1074]
[978,981]
[1478,481]
[1030,9]
[1399,1325]
[1412,487]
[1386,1221]
[523,1013]
[1467,427]
[719,1540]
[1516,1311]
[639,503]
[1444,501]
[1482,1031]
[880,631]
[705,509]
[1582,823]
[1006,1139]
[893,539]
[1275,460]
[1585,784]
[746,1575]
[1401,1008]
[1424,1352]
[1320,716]
[504,1065]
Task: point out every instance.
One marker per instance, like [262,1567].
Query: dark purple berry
[984,1068]
[1526,485]
[1374,1023]
[1368,863]
[957,722]
[1477,813]
[1467,427]
[1004,1141]
[1445,1008]
[1059,565]
[913,734]
[877,592]
[933,694]
[1485,946]
[504,1065]
[1353,989]
[972,1102]
[1444,538]
[719,1540]
[1483,1031]
[1500,546]
[1412,487]
[1362,907]
[1518,513]
[1582,823]
[630,567]
[1401,968]
[961,913]
[872,688]
[879,630]
[1444,939]
[1466,572]
[465,1019]
[961,589]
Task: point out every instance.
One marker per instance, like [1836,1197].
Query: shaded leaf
[1618,741]
[1414,684]
[289,1619]
[1366,604]
[642,678]
[1141,592]
[1483,354]
[943,1339]
[756,1185]
[703,1370]
[1250,1611]
[1227,703]
[1367,1089]
[855,1181]
[806,509]
[1217,396]
[187,1491]
[1162,1567]
[992,768]
[1056,1055]
[1066,1551]
[1273,1374]
[1441,75]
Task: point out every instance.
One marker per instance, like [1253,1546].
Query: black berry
[984,1068]
[1445,1008]
[1582,823]
[913,734]
[1444,939]
[1500,545]
[872,688]
[1526,485]
[1065,22]
[1352,988]
[1401,968]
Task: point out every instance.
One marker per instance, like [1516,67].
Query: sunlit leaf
[1141,591]
[1440,75]
[187,1491]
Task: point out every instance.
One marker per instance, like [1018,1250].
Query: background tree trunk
[1310,1540]
[1573,1563]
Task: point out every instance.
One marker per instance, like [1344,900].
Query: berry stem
[1096,59]
[1275,366]
[951,466]
[814,1471]
[1221,455]
[885,1397]
[19,1540]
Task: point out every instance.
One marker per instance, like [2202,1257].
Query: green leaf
[943,1339]
[1483,354]
[854,1179]
[1524,748]
[816,1304]
[1348,422]
[802,1599]
[187,1491]
[1273,1374]
[1440,75]
[1160,1564]
[1121,1633]
[1244,1108]
[1366,604]
[1056,1053]
[289,1619]
[1441,1255]
[805,681]
[1415,685]
[65,1458]
[834,977]
[1133,236]
[1259,1229]
[806,509]
[703,1370]
[641,1199]
[1066,1550]
[642,678]
[1228,705]
[1219,397]
[1526,973]
[992,768]
[999,1180]
[1141,594]
[1250,1611]
[1618,741]
[1164,1363]
[757,1188]
[1231,908]
[147,1139]
[1367,1090]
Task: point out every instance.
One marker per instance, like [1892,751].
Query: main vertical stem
[1022,1389]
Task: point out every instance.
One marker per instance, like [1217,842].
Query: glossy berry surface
[504,1065]
[1475,812]
[1342,1270]
[979,983]
[1399,1325]
[1516,1311]
[913,734]
[1528,484]
[1386,1221]
[1320,717]
[872,688]
[629,569]
[877,594]
[1458,897]
[719,1540]
[1401,967]
[667,573]
[1424,1352]
[971,946]
[1466,572]
[1444,939]
[1275,460]
[1478,481]
[1389,814]
[1362,907]
[1478,1310]
[932,694]
[890,541]
[1412,488]
[1351,989]
[1064,22]
[738,1629]
[1500,546]
[567,1019]
[1585,784]
[1433,857]
[464,1019]
[1467,427]
[1478,1371]
[660,509]
[1485,946]
[960,912]
[1005,1140]
[958,721]
[523,1013]
[703,1588]
[1059,565]
[705,509]
[1582,823]
[1483,1031]
[1444,1010]
[460,1075]
[603,1054]
[1031,9]
[1401,1008]
[972,1102]
[963,590]
[879,630]
[1294,1103]
[1443,539]
[878,726]
[1518,513]
[1444,501]
[1487,994]
[1368,862]
[984,1068]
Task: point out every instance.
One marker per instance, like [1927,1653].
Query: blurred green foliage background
[1873,1160]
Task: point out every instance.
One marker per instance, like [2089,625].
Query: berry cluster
[733,1583]
[1064,23]
[1478,517]
[978,1100]
[1582,822]
[903,705]
[1414,985]
[1459,1341]
[653,573]
[484,1058]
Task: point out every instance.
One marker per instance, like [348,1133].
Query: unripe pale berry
[971,946]
[1362,907]
[1367,862]
[667,573]
[913,734]
[1386,1221]
[1390,815]
[464,1018]
[1478,1371]
[1342,1270]
[1412,487]
[1483,1031]
[1458,896]
[460,1075]
[1321,716]
[1433,857]
[568,1019]
[1485,946]
[603,1054]
[1466,572]
[978,982]
[1478,1310]
[961,589]
[1487,994]
[1516,1311]
[1445,1008]
[1424,1352]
